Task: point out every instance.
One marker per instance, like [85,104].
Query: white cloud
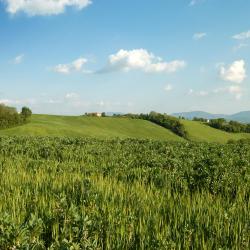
[202,93]
[141,59]
[43,7]
[28,101]
[240,46]
[242,36]
[198,93]
[9,101]
[235,73]
[199,36]
[168,87]
[194,2]
[52,101]
[236,91]
[18,59]
[71,96]
[74,66]
[190,91]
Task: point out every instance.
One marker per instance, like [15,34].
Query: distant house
[94,114]
[208,120]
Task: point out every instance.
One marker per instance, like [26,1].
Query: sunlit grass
[123,194]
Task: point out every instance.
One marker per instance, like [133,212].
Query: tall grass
[123,194]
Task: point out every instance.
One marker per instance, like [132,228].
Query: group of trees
[10,117]
[95,114]
[231,126]
[163,120]
[197,119]
[223,124]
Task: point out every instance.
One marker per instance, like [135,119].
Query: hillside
[201,132]
[107,127]
[240,117]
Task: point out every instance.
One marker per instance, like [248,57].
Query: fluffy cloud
[240,46]
[201,93]
[168,87]
[29,101]
[74,66]
[242,36]
[234,90]
[9,101]
[199,36]
[141,59]
[235,73]
[18,59]
[194,2]
[72,96]
[43,7]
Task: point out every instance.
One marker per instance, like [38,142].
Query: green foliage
[26,112]
[65,193]
[9,117]
[231,126]
[166,121]
[197,119]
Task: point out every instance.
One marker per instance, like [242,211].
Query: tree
[26,112]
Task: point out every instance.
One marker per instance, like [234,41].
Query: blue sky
[77,56]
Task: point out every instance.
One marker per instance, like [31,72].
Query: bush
[26,112]
[9,116]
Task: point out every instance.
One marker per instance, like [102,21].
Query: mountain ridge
[243,116]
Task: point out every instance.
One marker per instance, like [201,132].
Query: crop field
[66,193]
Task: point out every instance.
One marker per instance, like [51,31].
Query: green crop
[62,193]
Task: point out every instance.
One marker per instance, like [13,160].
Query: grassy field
[201,132]
[108,128]
[105,128]
[65,193]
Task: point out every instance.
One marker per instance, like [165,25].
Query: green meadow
[110,127]
[98,127]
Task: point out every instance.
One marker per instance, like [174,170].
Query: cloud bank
[43,7]
[141,59]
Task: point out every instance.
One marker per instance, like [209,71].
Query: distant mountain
[240,117]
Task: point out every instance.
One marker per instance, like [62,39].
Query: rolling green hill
[201,132]
[109,127]
[105,127]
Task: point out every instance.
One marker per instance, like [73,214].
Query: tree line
[229,126]
[223,124]
[9,116]
[162,120]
